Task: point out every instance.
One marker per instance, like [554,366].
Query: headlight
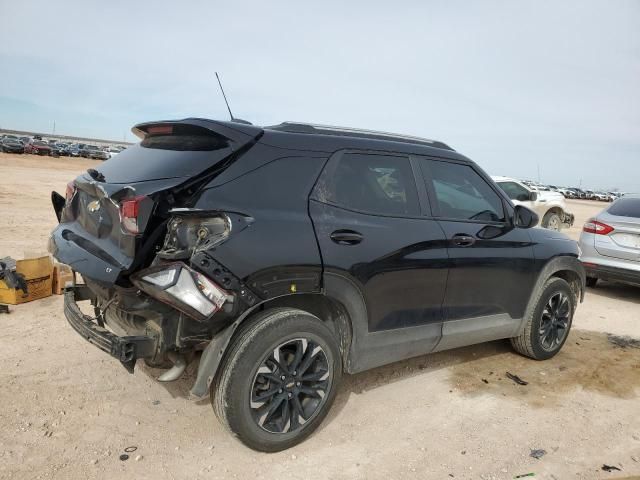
[183,288]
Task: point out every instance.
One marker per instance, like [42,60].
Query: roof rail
[299,127]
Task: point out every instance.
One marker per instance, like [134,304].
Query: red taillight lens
[599,228]
[129,212]
[70,191]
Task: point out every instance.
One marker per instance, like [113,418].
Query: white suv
[550,206]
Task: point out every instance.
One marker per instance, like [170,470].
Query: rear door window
[626,207]
[461,193]
[369,183]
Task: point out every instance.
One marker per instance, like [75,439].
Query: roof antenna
[225,97]
[233,119]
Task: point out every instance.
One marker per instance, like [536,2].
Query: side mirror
[533,196]
[524,218]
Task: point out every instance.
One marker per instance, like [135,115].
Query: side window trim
[330,167]
[426,203]
[428,179]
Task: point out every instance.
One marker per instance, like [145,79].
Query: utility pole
[54,128]
[538,173]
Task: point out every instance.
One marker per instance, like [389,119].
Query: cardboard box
[38,273]
[62,277]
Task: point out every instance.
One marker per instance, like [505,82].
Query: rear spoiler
[238,133]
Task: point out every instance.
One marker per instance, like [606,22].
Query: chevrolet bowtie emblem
[94,206]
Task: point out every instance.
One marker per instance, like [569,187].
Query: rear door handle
[346,237]
[462,240]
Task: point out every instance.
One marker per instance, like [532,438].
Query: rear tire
[278,380]
[548,325]
[591,281]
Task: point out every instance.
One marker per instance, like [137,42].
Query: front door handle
[346,237]
[461,240]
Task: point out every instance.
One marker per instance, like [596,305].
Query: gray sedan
[610,243]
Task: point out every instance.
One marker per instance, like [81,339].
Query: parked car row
[37,146]
[574,192]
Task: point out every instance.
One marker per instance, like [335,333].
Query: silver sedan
[610,243]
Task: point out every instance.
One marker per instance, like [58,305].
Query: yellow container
[62,276]
[38,273]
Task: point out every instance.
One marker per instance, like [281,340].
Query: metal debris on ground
[530,474]
[516,379]
[124,457]
[623,341]
[610,468]
[538,453]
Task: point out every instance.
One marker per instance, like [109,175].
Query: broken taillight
[129,213]
[183,288]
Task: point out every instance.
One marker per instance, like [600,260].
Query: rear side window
[461,193]
[626,207]
[376,184]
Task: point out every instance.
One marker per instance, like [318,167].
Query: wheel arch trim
[556,266]
[342,325]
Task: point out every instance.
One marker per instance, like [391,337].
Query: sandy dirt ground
[68,411]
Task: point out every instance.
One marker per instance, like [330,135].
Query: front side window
[461,193]
[377,184]
[515,191]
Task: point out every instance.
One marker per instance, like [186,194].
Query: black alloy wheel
[555,321]
[278,379]
[290,386]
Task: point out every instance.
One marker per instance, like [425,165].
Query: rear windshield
[626,207]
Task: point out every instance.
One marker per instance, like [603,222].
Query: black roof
[314,138]
[314,129]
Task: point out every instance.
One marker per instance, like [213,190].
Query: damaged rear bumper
[126,349]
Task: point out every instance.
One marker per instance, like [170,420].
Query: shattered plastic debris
[610,468]
[516,379]
[538,453]
[131,449]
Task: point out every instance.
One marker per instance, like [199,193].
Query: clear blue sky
[513,85]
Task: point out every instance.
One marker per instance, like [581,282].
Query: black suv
[281,257]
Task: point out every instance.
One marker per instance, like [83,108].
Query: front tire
[551,221]
[279,379]
[548,325]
